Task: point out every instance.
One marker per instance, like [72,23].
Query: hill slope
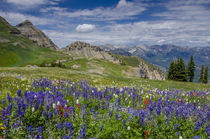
[126,65]
[18,50]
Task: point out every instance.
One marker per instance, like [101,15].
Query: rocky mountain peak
[25,23]
[29,30]
[78,45]
[82,49]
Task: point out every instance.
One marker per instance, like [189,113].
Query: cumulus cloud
[84,28]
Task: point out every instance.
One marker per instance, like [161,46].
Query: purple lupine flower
[3,101]
[59,125]
[30,130]
[198,124]
[44,113]
[9,99]
[124,122]
[50,116]
[196,137]
[176,126]
[40,130]
[116,134]
[19,93]
[110,114]
[66,115]
[47,107]
[82,132]
[101,128]
[208,130]
[117,116]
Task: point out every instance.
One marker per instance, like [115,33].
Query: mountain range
[26,45]
[162,55]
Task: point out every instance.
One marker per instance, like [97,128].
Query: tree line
[179,72]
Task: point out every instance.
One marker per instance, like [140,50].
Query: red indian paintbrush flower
[146,101]
[68,109]
[179,100]
[77,105]
[146,134]
[61,114]
[59,107]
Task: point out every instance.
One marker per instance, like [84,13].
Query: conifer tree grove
[191,69]
[181,73]
[177,70]
[205,77]
[201,74]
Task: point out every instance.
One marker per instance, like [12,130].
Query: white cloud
[27,2]
[123,10]
[85,28]
[31,3]
[121,3]
[16,18]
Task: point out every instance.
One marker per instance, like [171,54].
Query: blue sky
[117,22]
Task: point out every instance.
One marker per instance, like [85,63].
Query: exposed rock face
[86,50]
[150,73]
[29,30]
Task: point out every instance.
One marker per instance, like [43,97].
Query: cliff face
[29,30]
[145,71]
[86,50]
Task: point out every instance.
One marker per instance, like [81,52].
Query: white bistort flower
[77,101]
[58,103]
[129,128]
[33,109]
[54,105]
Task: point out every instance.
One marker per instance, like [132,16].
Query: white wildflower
[58,103]
[77,101]
[129,128]
[33,109]
[54,106]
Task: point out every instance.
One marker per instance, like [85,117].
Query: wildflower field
[56,108]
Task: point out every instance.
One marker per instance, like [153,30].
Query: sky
[116,22]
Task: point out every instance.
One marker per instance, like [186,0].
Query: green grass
[96,79]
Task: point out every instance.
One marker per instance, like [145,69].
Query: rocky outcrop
[86,50]
[150,72]
[29,30]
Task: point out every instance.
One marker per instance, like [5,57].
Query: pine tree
[171,71]
[201,74]
[181,72]
[205,77]
[191,69]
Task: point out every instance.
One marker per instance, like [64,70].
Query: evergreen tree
[191,69]
[171,71]
[205,77]
[181,72]
[201,74]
